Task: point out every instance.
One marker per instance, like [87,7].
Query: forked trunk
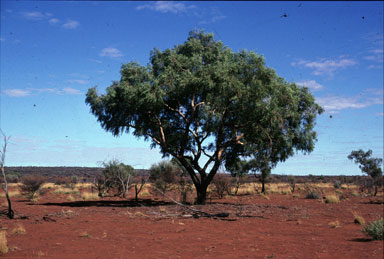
[201,194]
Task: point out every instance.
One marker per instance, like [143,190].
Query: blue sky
[52,52]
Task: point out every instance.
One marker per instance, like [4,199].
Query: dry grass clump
[3,242]
[85,234]
[65,190]
[86,196]
[71,198]
[12,194]
[246,189]
[295,195]
[83,185]
[334,224]
[19,230]
[332,198]
[48,186]
[139,214]
[358,219]
[355,194]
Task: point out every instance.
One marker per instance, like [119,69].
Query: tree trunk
[263,186]
[376,190]
[10,214]
[201,194]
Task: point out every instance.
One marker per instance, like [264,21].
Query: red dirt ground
[282,227]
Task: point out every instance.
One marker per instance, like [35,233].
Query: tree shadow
[108,203]
[361,240]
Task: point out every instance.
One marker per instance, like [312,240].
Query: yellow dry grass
[334,224]
[83,185]
[65,190]
[3,242]
[48,186]
[332,198]
[358,219]
[85,234]
[11,194]
[86,196]
[19,230]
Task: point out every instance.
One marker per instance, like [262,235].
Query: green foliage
[370,166]
[163,175]
[199,101]
[337,184]
[74,179]
[313,194]
[375,229]
[117,175]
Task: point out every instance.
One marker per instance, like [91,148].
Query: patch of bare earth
[281,227]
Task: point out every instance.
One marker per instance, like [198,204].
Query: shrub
[375,229]
[31,185]
[313,194]
[292,183]
[337,184]
[332,199]
[62,180]
[222,184]
[117,175]
[74,179]
[163,175]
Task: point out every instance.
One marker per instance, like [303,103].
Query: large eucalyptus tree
[203,104]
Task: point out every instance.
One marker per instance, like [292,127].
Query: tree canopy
[204,105]
[369,165]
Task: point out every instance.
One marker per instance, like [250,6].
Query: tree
[370,166]
[10,213]
[201,103]
[239,170]
[31,185]
[118,175]
[138,183]
[292,182]
[163,175]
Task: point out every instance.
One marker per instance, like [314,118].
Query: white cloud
[326,66]
[95,60]
[69,90]
[376,55]
[17,92]
[30,91]
[53,21]
[71,24]
[78,81]
[111,52]
[375,67]
[334,104]
[311,84]
[36,16]
[210,16]
[166,6]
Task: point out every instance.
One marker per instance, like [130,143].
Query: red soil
[282,227]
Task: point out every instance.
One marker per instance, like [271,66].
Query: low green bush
[375,229]
[313,195]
